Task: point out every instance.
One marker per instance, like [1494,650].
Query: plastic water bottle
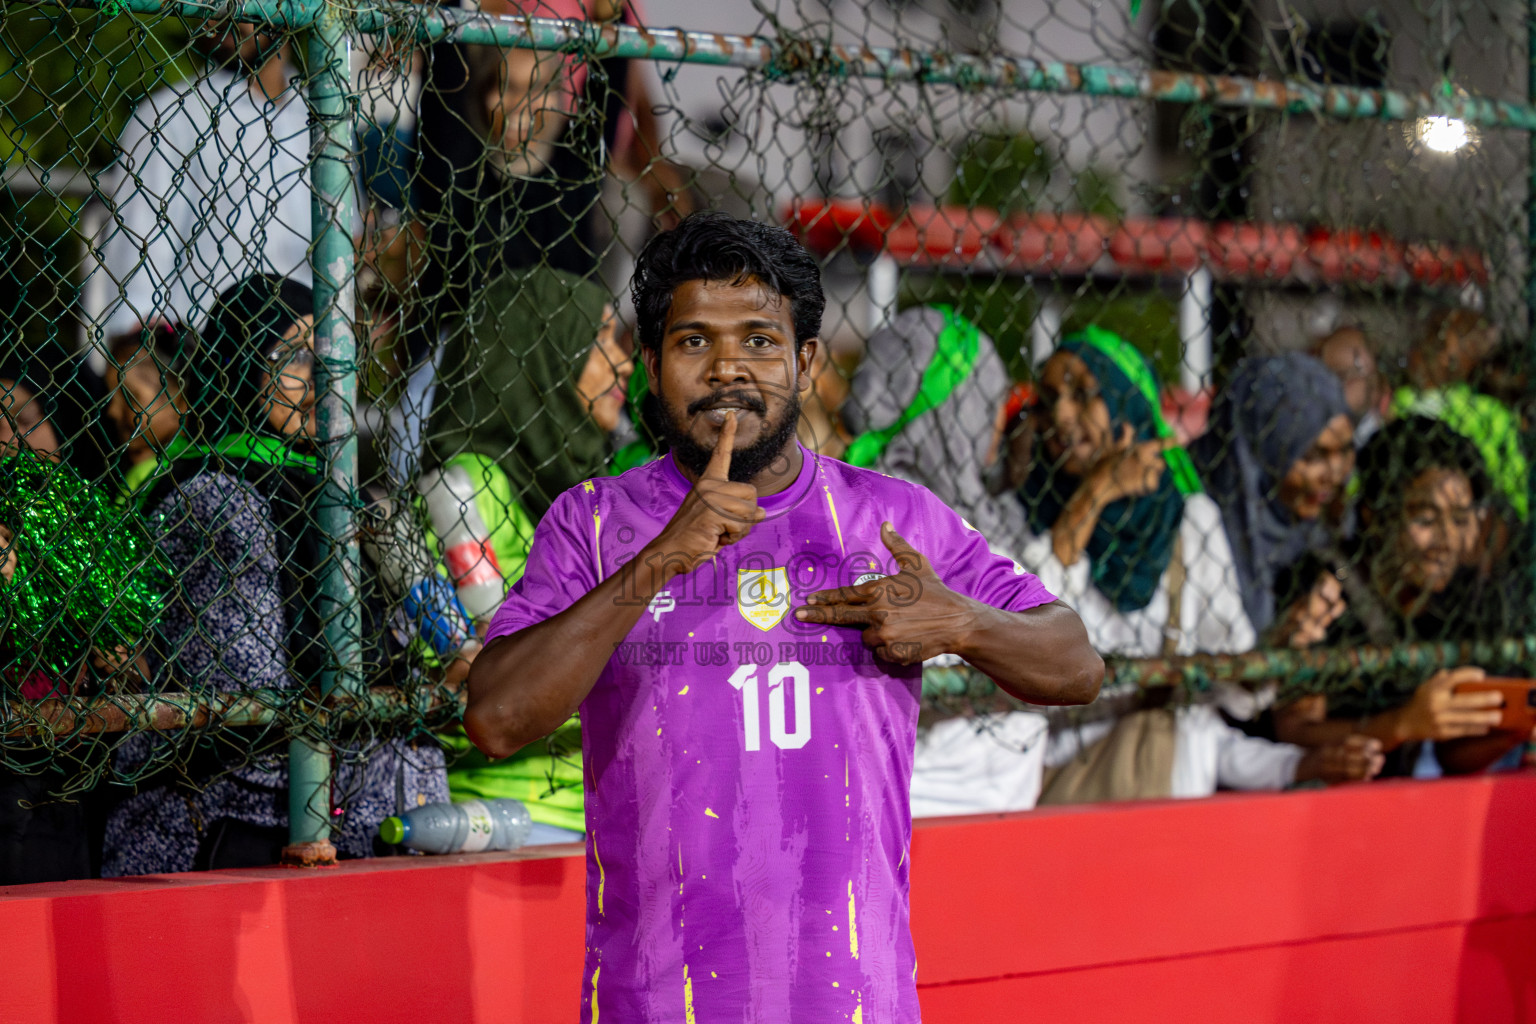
[407,570]
[468,827]
[466,542]
[441,618]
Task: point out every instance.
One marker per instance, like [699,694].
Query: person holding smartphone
[1423,489]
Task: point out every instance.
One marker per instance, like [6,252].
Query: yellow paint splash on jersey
[853,924]
[836,525]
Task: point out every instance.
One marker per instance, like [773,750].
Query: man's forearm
[526,685]
[1041,656]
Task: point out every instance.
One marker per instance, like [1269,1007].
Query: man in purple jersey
[741,625]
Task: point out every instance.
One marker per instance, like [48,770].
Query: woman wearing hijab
[50,402]
[537,384]
[233,517]
[1275,458]
[923,405]
[1124,534]
[1110,503]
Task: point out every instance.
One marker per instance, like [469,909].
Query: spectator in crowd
[50,403]
[79,593]
[1402,580]
[640,437]
[41,840]
[147,404]
[1278,454]
[1125,536]
[513,147]
[1116,511]
[233,519]
[43,405]
[512,150]
[1440,367]
[25,422]
[536,386]
[536,383]
[1349,354]
[923,406]
[212,184]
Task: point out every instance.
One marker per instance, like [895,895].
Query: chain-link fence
[1213,314]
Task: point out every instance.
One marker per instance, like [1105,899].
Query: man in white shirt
[212,185]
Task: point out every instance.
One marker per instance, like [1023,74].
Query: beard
[747,462]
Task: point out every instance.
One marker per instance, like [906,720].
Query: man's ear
[652,360]
[805,356]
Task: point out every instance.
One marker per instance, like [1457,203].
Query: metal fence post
[332,258]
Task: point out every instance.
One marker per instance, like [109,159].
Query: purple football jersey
[747,774]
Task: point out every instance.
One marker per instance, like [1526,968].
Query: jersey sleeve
[961,556]
[561,566]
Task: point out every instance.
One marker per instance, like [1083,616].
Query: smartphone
[1519,713]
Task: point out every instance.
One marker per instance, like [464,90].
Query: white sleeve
[1211,754]
[1211,616]
[1248,762]
[150,214]
[1068,583]
[979,765]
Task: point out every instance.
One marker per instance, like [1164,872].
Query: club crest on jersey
[762,596]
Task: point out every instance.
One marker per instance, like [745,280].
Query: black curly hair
[1404,449]
[710,246]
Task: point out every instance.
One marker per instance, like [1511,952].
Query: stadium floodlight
[1444,134]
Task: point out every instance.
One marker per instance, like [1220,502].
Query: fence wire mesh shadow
[1214,316]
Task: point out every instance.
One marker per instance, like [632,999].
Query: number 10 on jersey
[780,678]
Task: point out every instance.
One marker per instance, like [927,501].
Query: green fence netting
[1215,315]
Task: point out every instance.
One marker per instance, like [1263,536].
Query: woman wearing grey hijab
[924,405]
[944,435]
[1276,456]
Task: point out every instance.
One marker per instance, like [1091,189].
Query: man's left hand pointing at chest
[908,617]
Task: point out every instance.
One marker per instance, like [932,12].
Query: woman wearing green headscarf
[1111,502]
[533,385]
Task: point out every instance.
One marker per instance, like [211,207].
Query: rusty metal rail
[171,712]
[793,57]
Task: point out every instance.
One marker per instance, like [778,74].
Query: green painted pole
[1530,313]
[1530,281]
[332,259]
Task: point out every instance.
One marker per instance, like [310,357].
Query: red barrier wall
[1391,902]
